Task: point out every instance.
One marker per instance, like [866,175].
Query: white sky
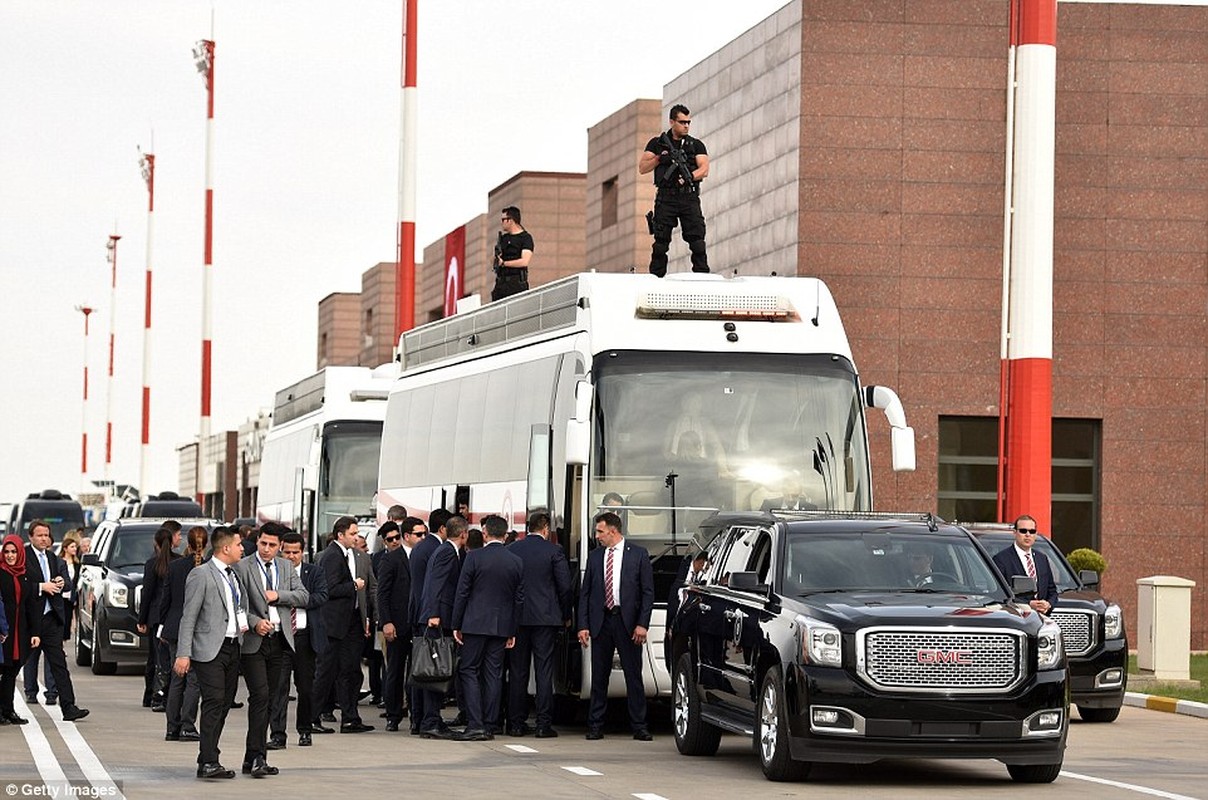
[306,174]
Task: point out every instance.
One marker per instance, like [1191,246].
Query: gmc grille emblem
[963,658]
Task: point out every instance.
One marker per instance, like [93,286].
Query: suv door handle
[733,614]
[705,607]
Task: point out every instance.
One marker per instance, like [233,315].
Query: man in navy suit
[49,574]
[340,660]
[615,602]
[441,571]
[394,615]
[486,613]
[1018,559]
[546,609]
[309,639]
[419,557]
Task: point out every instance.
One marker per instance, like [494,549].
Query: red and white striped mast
[86,310]
[146,165]
[404,307]
[111,248]
[1028,271]
[203,54]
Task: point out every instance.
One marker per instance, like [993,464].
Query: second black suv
[111,589]
[1092,628]
[853,638]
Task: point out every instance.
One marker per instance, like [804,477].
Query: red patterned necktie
[1031,566]
[293,620]
[608,601]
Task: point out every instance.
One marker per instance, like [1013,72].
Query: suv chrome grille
[949,660]
[1077,630]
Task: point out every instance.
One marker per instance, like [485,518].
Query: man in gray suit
[211,628]
[273,591]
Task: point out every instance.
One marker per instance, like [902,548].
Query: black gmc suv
[1092,628]
[856,637]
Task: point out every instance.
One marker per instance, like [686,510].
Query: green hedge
[1086,558]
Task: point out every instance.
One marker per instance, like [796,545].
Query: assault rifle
[680,173]
[497,261]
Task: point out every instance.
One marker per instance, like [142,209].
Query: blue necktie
[45,572]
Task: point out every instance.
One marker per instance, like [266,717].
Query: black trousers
[535,647]
[340,667]
[398,654]
[481,674]
[8,685]
[508,282]
[52,650]
[614,638]
[683,208]
[262,675]
[300,664]
[183,694]
[218,680]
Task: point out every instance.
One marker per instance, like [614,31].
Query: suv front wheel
[772,732]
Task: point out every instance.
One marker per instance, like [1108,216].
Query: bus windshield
[348,474]
[678,436]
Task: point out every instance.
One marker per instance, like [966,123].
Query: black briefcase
[433,659]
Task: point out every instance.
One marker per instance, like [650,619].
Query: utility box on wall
[1164,627]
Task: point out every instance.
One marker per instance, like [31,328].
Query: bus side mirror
[578,428]
[901,435]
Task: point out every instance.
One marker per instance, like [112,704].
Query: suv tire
[772,732]
[693,736]
[83,654]
[1098,714]
[1034,773]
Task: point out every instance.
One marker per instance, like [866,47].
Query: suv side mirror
[1089,578]
[747,582]
[1023,586]
[92,560]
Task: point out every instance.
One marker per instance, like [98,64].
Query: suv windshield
[886,561]
[131,548]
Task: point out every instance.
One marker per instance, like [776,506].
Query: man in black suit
[1018,559]
[343,620]
[51,576]
[486,613]
[442,571]
[546,609]
[615,602]
[394,615]
[309,639]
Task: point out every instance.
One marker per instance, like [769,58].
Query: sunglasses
[1026,530]
[393,538]
[682,121]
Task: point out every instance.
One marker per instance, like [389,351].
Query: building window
[369,322]
[323,351]
[968,475]
[608,204]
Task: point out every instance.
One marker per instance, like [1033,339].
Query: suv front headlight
[1048,646]
[821,643]
[1113,622]
[118,595]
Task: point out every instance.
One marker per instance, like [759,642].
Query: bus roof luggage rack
[898,516]
[546,308]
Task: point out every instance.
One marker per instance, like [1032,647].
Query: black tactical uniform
[511,280]
[677,201]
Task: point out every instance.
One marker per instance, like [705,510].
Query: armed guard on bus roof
[679,162]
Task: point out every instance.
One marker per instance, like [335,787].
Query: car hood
[867,609]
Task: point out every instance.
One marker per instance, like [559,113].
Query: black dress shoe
[171,737]
[355,727]
[52,701]
[236,704]
[259,768]
[32,699]
[392,725]
[190,736]
[159,708]
[594,733]
[318,728]
[547,733]
[519,730]
[214,770]
[642,735]
[460,719]
[303,740]
[14,719]
[474,735]
[415,730]
[275,743]
[438,733]
[327,716]
[376,701]
[72,713]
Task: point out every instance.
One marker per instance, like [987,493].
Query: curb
[1168,704]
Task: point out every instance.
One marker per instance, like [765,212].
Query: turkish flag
[455,268]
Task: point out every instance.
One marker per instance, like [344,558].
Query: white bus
[672,397]
[321,453]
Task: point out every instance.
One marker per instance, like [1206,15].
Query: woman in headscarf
[19,592]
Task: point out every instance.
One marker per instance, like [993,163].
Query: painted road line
[519,748]
[1132,787]
[648,796]
[584,771]
[94,771]
[39,746]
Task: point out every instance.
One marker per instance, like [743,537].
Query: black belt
[511,273]
[615,611]
[231,640]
